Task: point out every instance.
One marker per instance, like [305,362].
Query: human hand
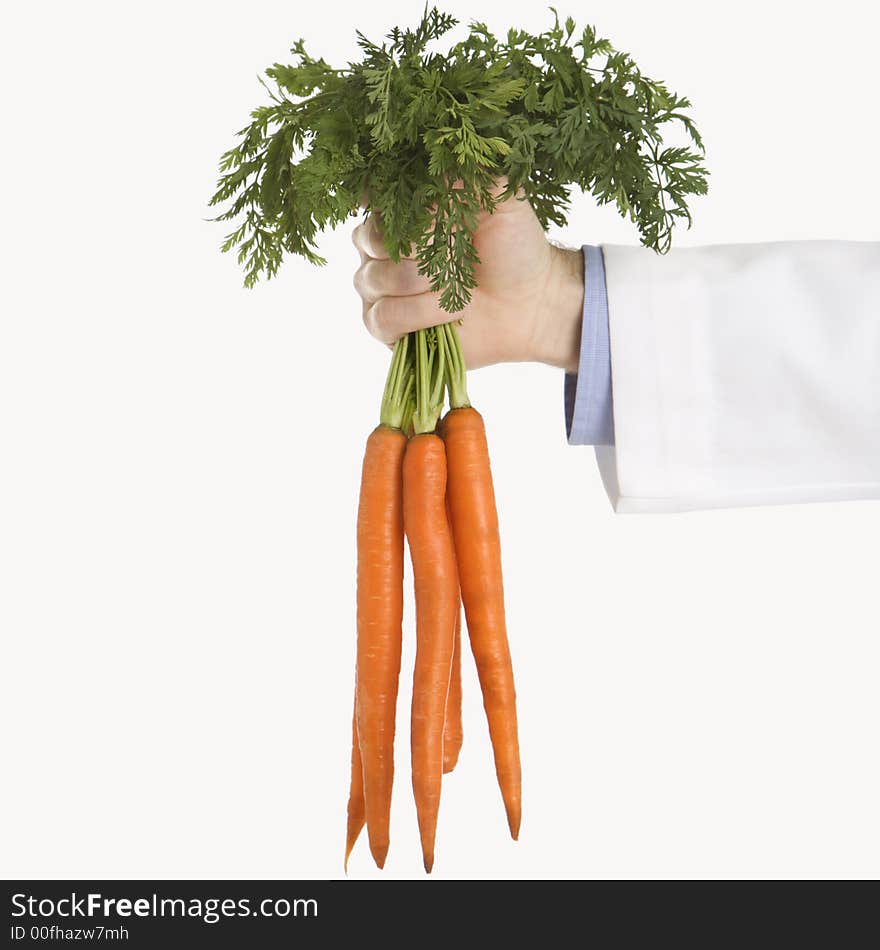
[527,304]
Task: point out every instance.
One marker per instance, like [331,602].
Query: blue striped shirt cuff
[589,416]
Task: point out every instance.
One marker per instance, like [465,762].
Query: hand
[527,305]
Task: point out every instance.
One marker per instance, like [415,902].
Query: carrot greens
[401,126]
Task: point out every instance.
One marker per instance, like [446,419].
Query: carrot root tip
[379,856]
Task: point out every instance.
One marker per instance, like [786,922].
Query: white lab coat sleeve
[743,375]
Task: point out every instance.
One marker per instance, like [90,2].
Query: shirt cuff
[589,416]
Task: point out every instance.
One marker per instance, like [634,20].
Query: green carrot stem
[439,372]
[397,386]
[456,371]
[407,398]
[430,383]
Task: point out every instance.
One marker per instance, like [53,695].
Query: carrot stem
[430,375]
[398,386]
[456,371]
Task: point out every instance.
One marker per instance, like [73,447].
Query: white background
[180,461]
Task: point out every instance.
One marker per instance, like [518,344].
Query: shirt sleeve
[589,417]
[744,374]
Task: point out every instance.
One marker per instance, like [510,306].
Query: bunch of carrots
[428,479]
[398,133]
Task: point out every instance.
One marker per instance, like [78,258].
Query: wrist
[558,337]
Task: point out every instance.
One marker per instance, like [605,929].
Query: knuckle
[365,280]
[358,281]
[382,319]
[372,284]
[370,245]
[374,240]
[371,321]
[357,234]
[379,316]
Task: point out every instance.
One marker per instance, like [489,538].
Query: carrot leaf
[423,136]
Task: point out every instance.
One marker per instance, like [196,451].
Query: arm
[744,375]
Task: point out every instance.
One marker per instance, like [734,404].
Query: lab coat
[743,375]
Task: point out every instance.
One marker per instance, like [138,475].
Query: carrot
[356,813]
[452,728]
[478,551]
[436,590]
[379,618]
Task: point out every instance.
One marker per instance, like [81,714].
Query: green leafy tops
[422,137]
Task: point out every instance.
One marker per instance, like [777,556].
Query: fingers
[389,318]
[383,278]
[396,297]
[369,239]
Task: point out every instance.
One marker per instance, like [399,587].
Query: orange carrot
[379,618]
[436,587]
[356,813]
[452,728]
[478,552]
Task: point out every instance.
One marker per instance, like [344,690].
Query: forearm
[744,374]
